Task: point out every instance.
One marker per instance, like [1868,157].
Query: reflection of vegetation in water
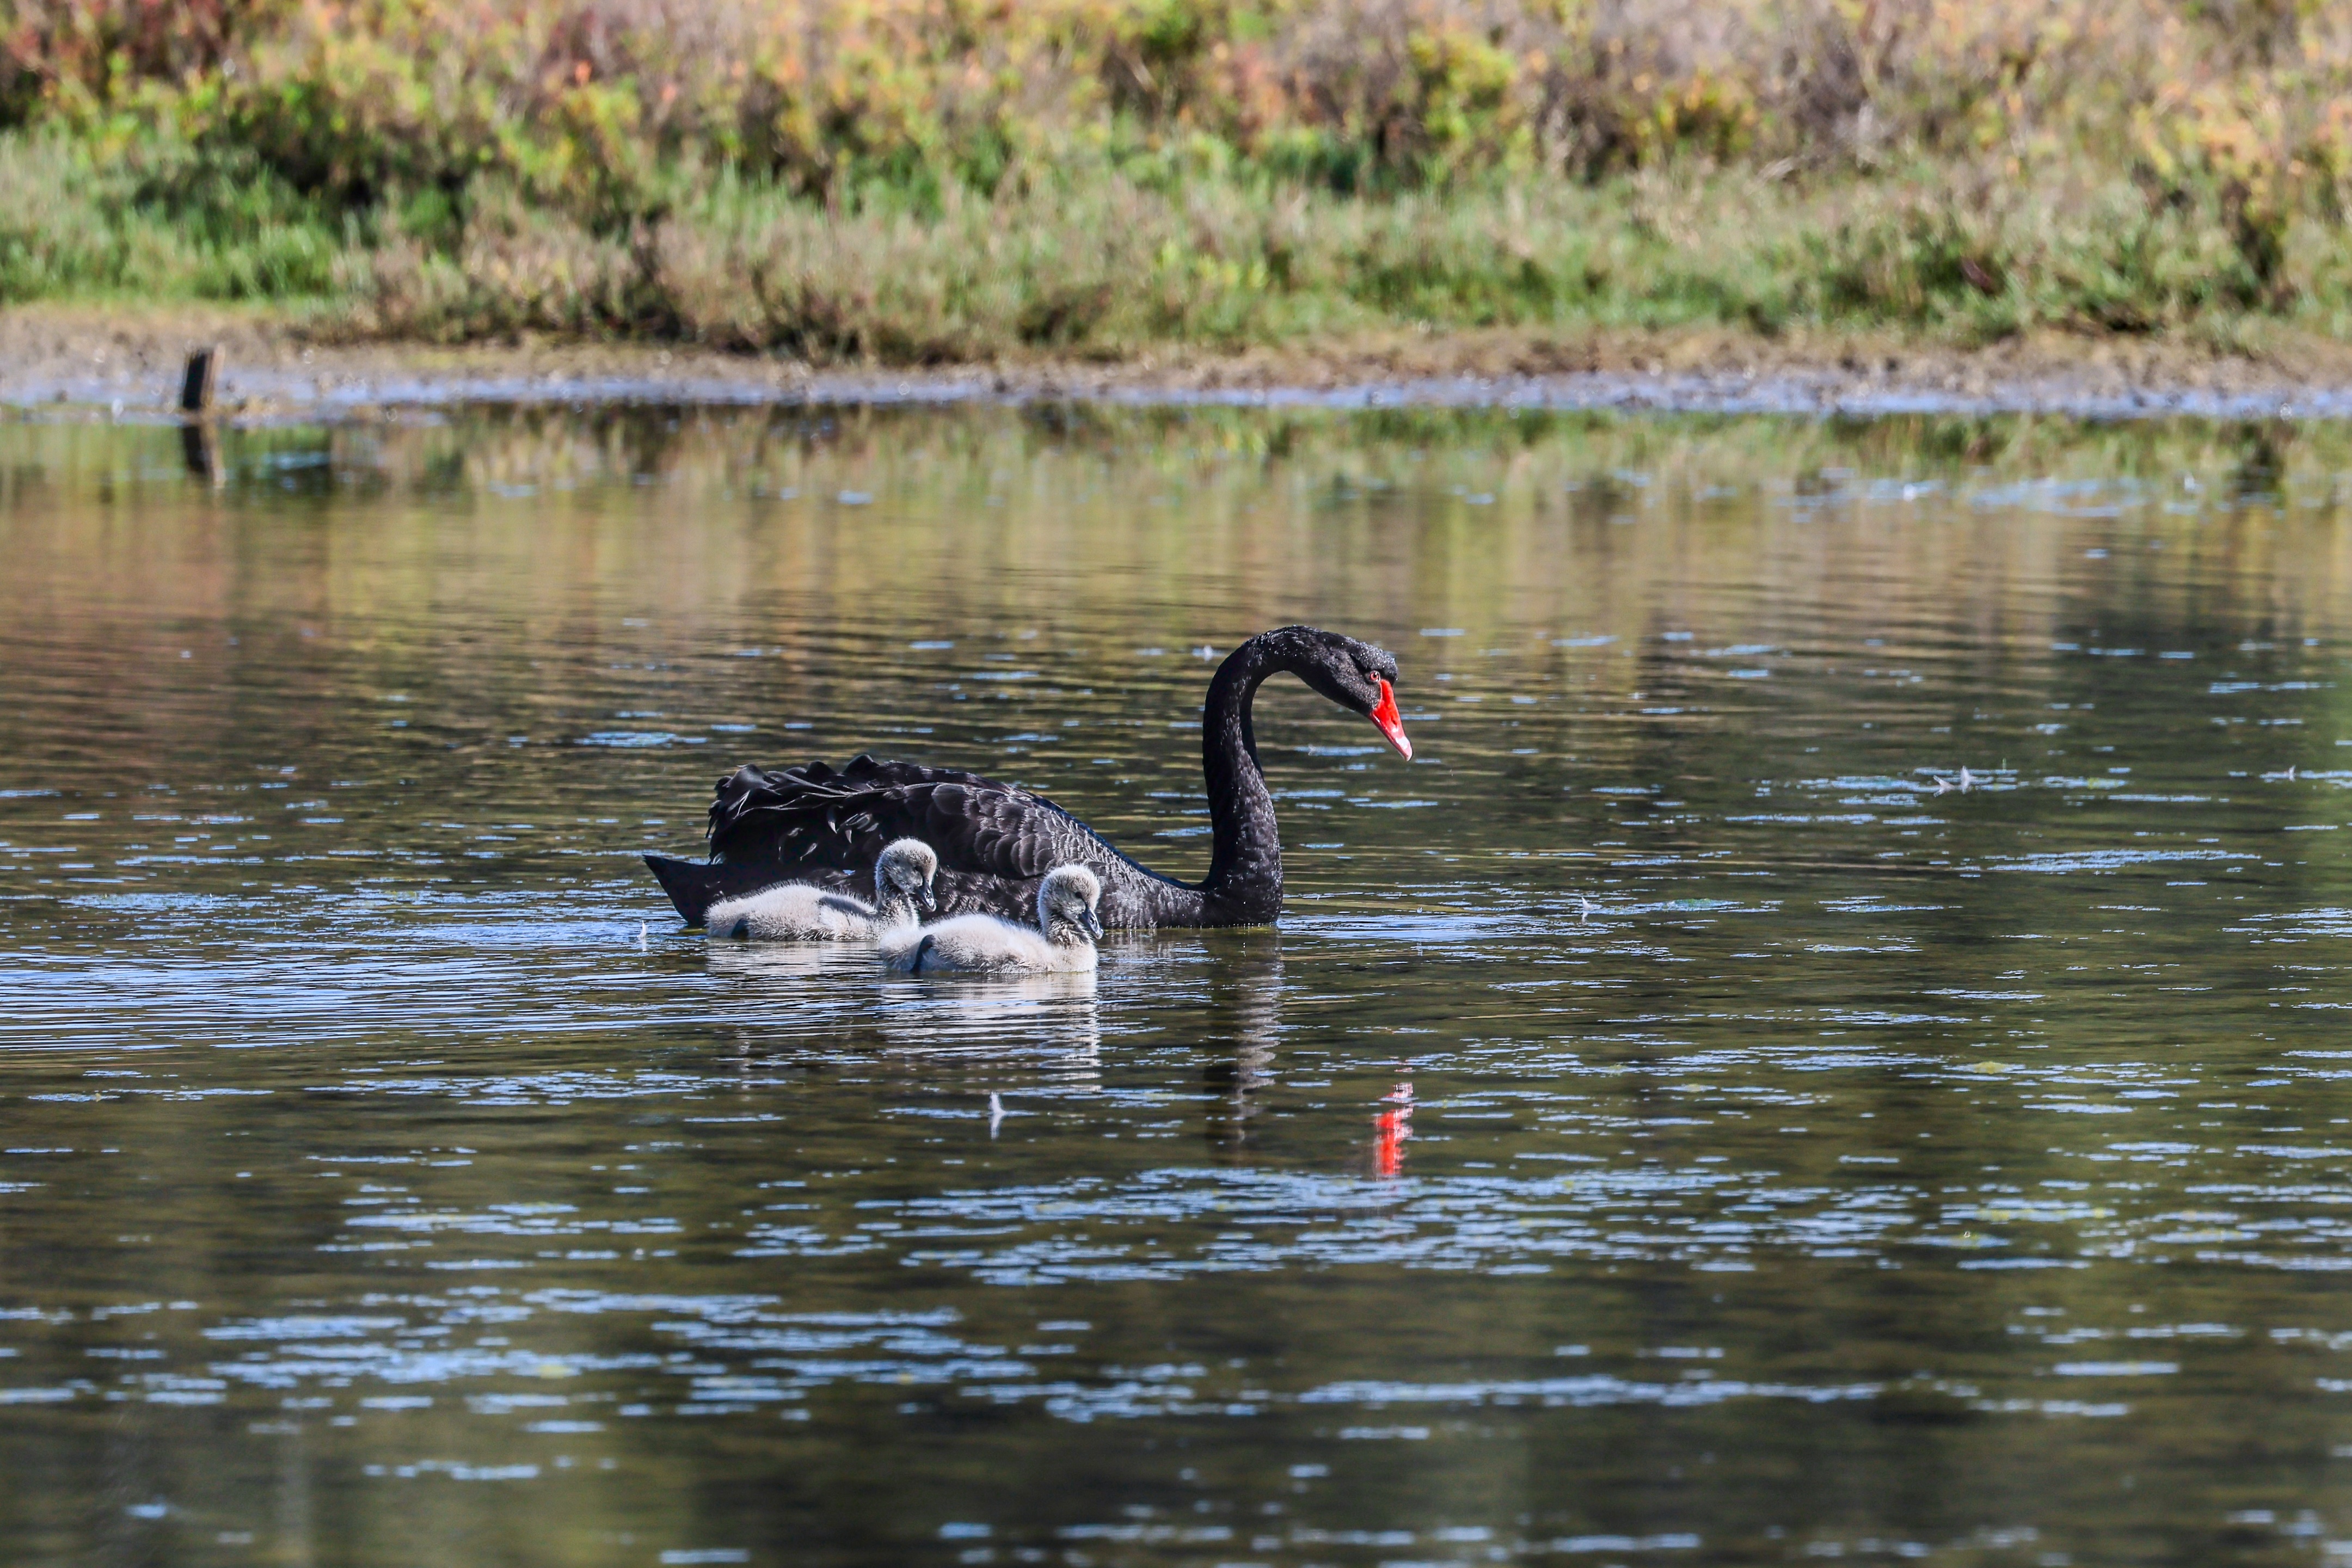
[579,541]
[1399,512]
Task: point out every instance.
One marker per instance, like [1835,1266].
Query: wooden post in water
[201,382]
[199,440]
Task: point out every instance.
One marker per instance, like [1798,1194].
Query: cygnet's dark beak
[924,901]
[1091,923]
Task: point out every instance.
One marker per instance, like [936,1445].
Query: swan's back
[1061,942]
[798,912]
[793,912]
[980,944]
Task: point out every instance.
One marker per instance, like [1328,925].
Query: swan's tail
[695,885]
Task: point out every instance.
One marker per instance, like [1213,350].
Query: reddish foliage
[49,46]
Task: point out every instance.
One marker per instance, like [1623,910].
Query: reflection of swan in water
[1242,1021]
[1045,1022]
[789,960]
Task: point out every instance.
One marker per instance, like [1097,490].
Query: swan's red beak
[1384,715]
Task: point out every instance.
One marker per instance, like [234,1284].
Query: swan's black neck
[1244,882]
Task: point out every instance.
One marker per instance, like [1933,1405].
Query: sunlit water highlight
[1835,1047]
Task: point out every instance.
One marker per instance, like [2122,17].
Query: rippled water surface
[1835,1048]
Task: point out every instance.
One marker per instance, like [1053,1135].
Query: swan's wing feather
[746,798]
[826,827]
[988,828]
[811,819]
[863,769]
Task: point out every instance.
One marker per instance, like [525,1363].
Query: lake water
[1681,1119]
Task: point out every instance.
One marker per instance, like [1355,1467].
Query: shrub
[920,179]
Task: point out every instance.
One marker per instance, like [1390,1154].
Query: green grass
[1087,258]
[158,224]
[919,181]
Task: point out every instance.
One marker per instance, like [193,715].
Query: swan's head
[1067,898]
[906,868]
[1358,676]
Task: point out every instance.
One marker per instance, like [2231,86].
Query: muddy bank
[127,363]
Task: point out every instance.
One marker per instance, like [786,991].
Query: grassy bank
[924,181]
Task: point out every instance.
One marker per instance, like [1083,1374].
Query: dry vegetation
[932,180]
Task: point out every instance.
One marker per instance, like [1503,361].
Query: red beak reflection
[1391,1128]
[1391,726]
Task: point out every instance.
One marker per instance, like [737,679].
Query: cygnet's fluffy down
[1063,938]
[799,913]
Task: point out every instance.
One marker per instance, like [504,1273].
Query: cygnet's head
[1067,897]
[906,868]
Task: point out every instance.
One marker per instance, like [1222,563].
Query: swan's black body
[810,823]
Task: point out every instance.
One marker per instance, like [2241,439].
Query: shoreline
[125,362]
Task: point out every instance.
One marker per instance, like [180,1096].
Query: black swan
[1062,942]
[796,912]
[996,842]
